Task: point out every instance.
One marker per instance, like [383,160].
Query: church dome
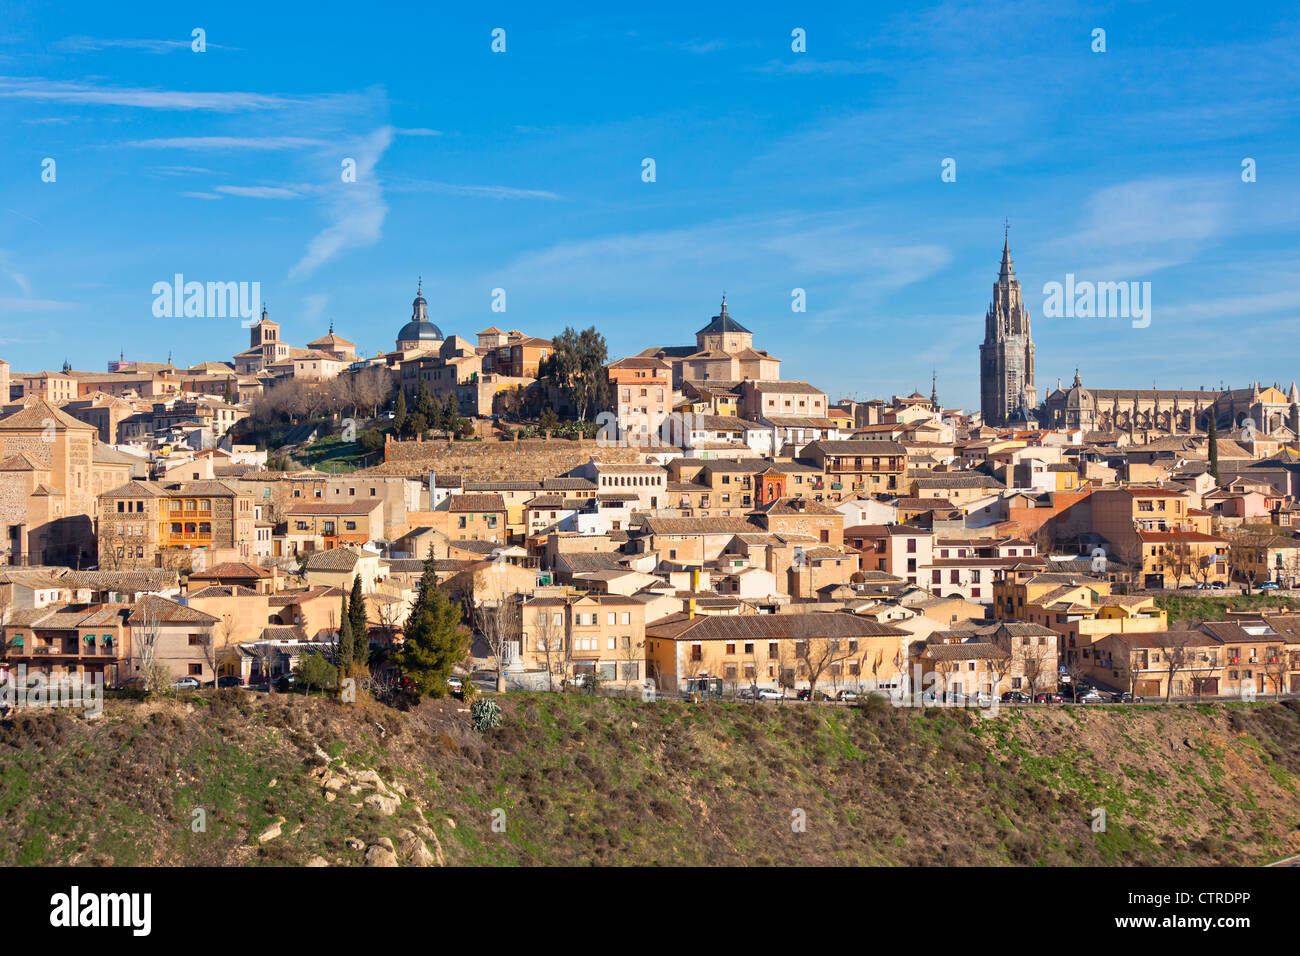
[722,323]
[414,331]
[419,329]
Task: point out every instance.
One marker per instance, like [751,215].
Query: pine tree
[347,643]
[399,413]
[436,641]
[360,624]
[1213,449]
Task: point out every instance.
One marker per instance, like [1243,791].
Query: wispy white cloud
[805,65]
[313,306]
[259,192]
[712,45]
[418,131]
[490,192]
[21,215]
[55,91]
[85,44]
[356,210]
[199,195]
[34,305]
[228,142]
[17,277]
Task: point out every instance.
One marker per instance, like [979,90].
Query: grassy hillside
[1189,610]
[583,780]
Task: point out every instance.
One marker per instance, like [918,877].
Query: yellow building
[831,650]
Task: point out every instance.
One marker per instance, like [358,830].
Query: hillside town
[683,518]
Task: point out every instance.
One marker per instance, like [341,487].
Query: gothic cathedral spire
[1007,355]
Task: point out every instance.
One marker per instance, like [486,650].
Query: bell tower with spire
[1007,355]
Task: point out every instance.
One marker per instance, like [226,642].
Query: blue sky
[775,170]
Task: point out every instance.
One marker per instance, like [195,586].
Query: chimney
[690,609]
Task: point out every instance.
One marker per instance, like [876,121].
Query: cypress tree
[399,412]
[360,625]
[347,645]
[436,641]
[1214,449]
[424,405]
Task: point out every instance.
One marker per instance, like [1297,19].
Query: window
[626,618]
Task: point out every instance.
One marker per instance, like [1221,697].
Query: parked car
[847,695]
[1049,699]
[1124,697]
[1218,585]
[1015,697]
[804,695]
[455,684]
[230,680]
[1269,586]
[1089,697]
[186,683]
[131,683]
[747,693]
[766,693]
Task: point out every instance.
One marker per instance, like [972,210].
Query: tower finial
[419,286]
[331,326]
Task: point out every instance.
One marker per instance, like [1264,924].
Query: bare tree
[1173,648]
[946,669]
[496,618]
[156,675]
[999,668]
[1248,546]
[817,654]
[552,643]
[1180,561]
[390,611]
[1076,670]
[633,652]
[213,653]
[1034,672]
[1277,666]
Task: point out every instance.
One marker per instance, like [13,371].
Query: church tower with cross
[1007,391]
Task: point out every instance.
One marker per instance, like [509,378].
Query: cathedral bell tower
[1007,355]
